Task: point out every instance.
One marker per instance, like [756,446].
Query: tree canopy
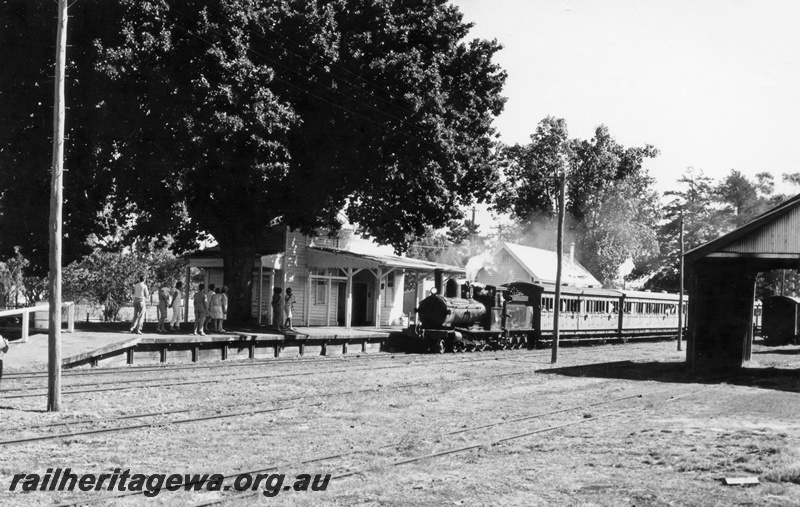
[611,207]
[27,36]
[710,210]
[232,116]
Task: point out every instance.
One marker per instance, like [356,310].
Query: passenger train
[477,317]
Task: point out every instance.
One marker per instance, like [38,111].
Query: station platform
[112,344]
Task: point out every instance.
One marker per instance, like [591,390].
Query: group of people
[287,302]
[210,307]
[167,298]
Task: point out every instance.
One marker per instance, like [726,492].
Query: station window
[320,292]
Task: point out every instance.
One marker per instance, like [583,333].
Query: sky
[712,84]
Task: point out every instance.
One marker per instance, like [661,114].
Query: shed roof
[774,234]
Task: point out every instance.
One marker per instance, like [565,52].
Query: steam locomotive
[521,314]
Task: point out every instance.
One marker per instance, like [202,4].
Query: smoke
[474,264]
[541,231]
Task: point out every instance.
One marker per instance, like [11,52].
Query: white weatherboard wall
[502,269]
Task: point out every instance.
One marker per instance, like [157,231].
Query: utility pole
[472,235]
[56,199]
[680,290]
[562,184]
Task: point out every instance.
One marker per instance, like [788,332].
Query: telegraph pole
[562,184]
[56,199]
[680,290]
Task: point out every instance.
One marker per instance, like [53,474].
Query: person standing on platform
[277,303]
[215,311]
[140,294]
[290,301]
[3,351]
[163,305]
[209,294]
[224,299]
[177,306]
[200,309]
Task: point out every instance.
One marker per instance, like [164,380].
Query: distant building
[344,280]
[510,263]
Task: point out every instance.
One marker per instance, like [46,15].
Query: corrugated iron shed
[721,279]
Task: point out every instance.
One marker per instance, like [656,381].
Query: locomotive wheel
[458,347]
[440,347]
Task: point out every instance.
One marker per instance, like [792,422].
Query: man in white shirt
[140,294]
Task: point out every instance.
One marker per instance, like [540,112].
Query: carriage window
[570,305]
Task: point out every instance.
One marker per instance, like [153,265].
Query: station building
[343,280]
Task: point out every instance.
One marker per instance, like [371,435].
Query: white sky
[712,84]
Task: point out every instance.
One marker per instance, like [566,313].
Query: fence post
[26,324]
[71,317]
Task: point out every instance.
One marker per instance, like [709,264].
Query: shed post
[378,299]
[260,289]
[348,310]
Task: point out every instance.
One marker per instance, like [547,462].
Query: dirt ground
[608,425]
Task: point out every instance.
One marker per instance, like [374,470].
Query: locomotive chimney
[572,253]
[438,281]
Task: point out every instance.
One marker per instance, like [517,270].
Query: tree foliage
[709,210]
[226,117]
[611,207]
[27,36]
[107,278]
[12,279]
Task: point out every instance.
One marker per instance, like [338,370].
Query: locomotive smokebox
[437,312]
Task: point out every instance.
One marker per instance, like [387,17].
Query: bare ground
[608,425]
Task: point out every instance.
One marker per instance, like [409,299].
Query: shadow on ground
[680,373]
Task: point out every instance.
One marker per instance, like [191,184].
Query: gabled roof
[541,265]
[751,229]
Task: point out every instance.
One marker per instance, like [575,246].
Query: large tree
[231,116]
[27,39]
[611,208]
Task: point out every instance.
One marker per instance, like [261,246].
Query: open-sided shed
[721,279]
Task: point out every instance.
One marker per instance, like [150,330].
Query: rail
[25,313]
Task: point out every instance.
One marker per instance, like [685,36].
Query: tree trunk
[239,259]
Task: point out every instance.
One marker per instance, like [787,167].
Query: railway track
[642,397]
[246,409]
[174,382]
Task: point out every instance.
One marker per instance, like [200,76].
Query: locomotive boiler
[437,312]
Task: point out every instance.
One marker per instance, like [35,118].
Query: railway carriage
[780,319]
[521,313]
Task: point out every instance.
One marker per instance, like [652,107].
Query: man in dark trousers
[3,350]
